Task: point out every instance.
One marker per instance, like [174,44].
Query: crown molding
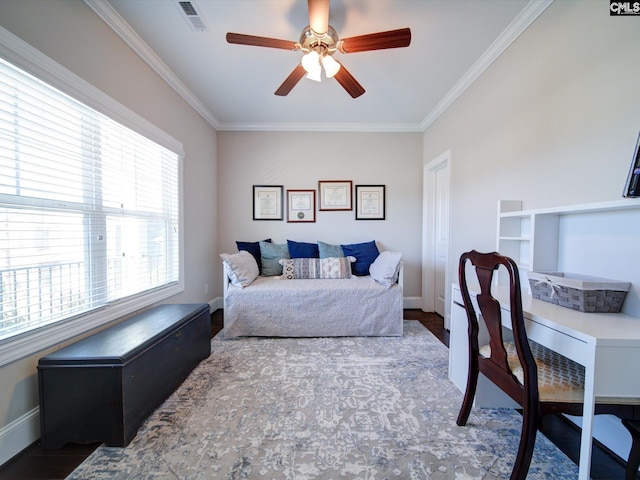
[320,127]
[519,24]
[528,15]
[113,19]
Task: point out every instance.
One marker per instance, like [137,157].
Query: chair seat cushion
[559,378]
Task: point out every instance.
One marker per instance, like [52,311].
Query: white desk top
[598,329]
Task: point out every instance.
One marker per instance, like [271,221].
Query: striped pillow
[331,267]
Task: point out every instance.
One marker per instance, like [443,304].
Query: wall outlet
[206,289]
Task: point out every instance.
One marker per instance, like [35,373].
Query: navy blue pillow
[303,249]
[365,254]
[254,249]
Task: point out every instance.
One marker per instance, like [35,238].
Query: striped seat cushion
[559,378]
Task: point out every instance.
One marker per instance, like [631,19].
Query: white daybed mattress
[274,307]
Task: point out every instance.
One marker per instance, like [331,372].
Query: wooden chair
[634,455]
[540,380]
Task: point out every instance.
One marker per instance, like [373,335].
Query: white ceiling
[232,85]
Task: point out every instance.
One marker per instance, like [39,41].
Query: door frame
[428,231]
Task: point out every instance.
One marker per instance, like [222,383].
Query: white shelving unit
[532,237]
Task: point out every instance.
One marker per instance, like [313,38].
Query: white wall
[72,35]
[298,160]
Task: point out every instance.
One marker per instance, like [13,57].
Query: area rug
[323,408]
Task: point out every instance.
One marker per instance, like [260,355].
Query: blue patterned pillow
[365,254]
[332,267]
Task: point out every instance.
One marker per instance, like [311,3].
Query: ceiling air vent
[191,14]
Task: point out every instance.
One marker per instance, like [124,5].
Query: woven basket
[578,292]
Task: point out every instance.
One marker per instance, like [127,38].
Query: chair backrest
[496,366]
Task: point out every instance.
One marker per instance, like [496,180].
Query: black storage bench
[103,387]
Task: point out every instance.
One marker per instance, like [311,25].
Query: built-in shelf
[532,237]
[623,204]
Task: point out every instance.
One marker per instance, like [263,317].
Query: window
[89,210]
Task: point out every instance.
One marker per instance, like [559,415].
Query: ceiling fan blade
[242,39]
[318,15]
[349,83]
[291,81]
[376,41]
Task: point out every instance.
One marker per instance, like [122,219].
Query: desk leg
[587,420]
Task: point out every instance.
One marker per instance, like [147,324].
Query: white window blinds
[89,209]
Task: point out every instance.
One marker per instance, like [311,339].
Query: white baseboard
[412,302]
[216,304]
[19,434]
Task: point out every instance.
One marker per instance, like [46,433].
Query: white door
[441,234]
[436,235]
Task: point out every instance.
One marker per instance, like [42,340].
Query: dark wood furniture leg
[634,455]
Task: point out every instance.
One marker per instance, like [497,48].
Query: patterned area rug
[323,408]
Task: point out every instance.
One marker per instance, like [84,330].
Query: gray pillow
[241,267]
[271,254]
[327,250]
[385,268]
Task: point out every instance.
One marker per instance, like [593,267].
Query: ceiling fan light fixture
[315,74]
[311,61]
[331,67]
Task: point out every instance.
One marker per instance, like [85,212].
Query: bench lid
[120,343]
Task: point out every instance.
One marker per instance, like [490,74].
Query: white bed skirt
[273,307]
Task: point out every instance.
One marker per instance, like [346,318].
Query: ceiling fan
[319,41]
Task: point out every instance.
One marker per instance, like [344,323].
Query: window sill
[29,343]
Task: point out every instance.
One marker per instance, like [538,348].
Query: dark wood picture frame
[301,206]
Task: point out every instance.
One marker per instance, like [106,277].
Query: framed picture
[632,187]
[267,202]
[370,202]
[301,205]
[335,194]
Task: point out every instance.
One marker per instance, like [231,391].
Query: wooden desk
[607,344]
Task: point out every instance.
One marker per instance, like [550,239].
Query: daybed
[277,306]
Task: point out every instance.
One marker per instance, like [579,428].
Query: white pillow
[385,268]
[242,268]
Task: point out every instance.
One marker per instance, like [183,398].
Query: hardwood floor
[36,463]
